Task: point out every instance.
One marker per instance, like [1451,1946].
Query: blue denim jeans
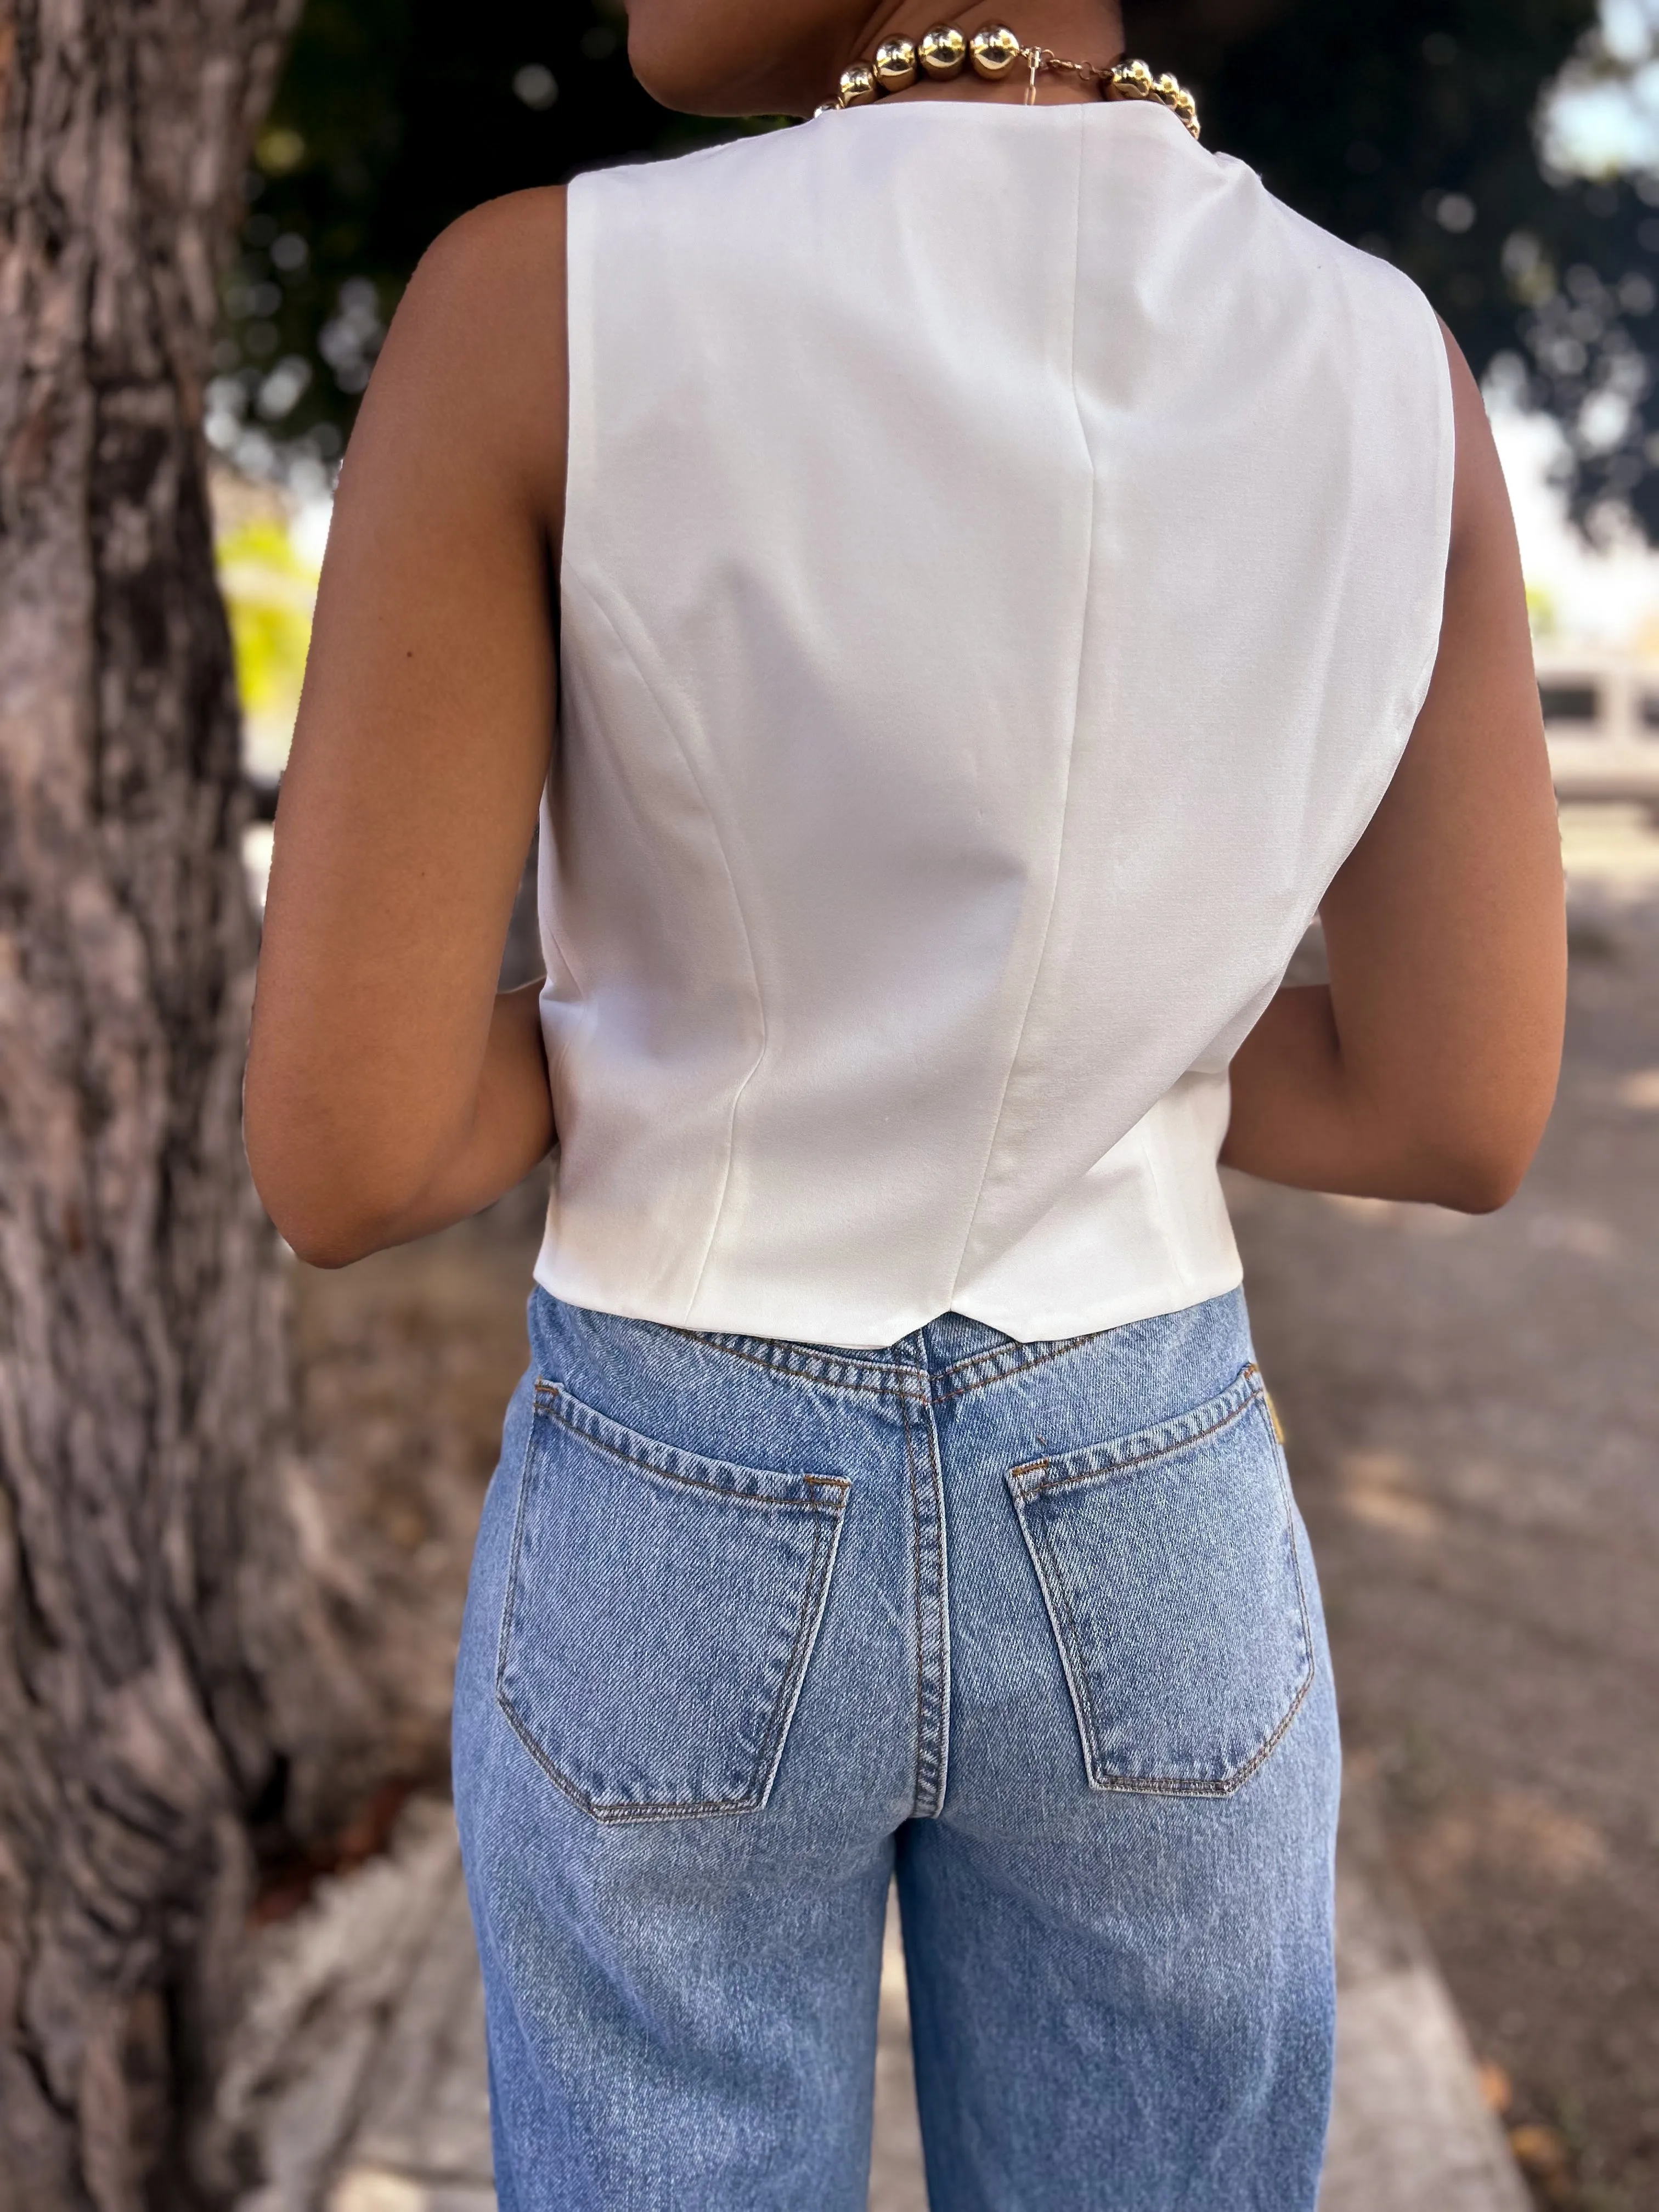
[755,1626]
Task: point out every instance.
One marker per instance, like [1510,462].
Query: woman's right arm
[1427,1067]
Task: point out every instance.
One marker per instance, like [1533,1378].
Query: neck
[1081,30]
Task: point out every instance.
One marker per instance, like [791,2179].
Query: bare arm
[1427,1068]
[390,1089]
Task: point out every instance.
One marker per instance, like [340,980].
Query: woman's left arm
[390,1088]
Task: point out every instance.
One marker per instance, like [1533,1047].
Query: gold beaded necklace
[994,52]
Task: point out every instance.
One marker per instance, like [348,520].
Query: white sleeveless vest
[1003,562]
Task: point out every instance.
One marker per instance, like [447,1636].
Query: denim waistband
[948,1357]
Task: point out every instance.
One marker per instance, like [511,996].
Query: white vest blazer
[1003,562]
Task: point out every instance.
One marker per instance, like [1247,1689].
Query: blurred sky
[1606,596]
[1604,116]
[1603,120]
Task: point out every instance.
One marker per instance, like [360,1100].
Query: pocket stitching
[1051,1584]
[554,1403]
[805,1634]
[1082,1705]
[517,1544]
[1247,1382]
[831,1507]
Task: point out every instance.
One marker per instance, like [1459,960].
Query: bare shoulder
[498,251]
[476,353]
[1481,522]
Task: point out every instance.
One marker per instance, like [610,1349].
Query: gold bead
[942,50]
[858,85]
[994,50]
[895,64]
[1169,91]
[1141,77]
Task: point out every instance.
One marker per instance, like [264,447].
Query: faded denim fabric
[755,1626]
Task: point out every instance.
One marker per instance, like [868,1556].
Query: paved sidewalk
[1410,2132]
[361,2075]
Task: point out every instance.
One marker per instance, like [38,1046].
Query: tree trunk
[158,1672]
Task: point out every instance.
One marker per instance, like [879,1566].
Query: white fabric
[1002,563]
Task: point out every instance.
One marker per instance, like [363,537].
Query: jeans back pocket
[1169,1567]
[660,1611]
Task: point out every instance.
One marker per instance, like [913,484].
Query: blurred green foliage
[1406,125]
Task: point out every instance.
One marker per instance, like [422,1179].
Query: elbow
[325,1244]
[1467,1148]
[340,1165]
[1479,1175]
[325,1214]
[321,1232]
[1479,1186]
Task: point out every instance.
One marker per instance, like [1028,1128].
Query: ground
[1473,1418]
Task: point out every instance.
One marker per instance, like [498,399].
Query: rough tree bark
[158,1670]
